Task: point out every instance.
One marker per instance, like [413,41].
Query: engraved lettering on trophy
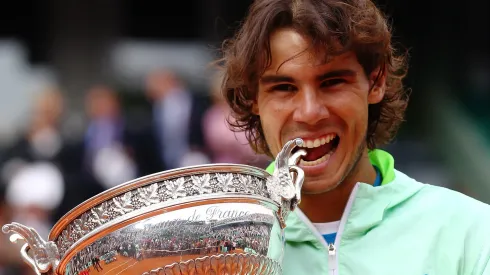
[194,217]
[216,212]
[173,223]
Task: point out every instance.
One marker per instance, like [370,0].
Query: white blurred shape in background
[20,82]
[34,191]
[38,184]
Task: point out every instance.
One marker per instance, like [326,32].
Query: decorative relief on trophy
[210,219]
[153,194]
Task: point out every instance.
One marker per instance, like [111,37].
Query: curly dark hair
[333,27]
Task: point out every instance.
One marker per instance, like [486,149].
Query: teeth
[319,141]
[309,144]
[316,162]
[324,140]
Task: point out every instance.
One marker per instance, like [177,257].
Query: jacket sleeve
[477,245]
[486,249]
[486,269]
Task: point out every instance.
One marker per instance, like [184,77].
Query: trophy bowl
[207,219]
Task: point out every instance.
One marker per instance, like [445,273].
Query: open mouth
[319,150]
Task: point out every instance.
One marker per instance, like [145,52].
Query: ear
[377,82]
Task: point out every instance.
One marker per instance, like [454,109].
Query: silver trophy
[207,219]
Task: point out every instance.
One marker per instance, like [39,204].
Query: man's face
[324,104]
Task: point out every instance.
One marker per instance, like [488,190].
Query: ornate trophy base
[230,264]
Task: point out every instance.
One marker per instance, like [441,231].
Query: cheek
[271,132]
[272,119]
[353,111]
[359,125]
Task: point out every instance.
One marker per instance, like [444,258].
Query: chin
[317,187]
[321,183]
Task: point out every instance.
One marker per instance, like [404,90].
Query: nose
[309,107]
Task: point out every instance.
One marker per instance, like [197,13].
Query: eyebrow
[272,79]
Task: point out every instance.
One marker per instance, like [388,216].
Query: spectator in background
[225,145]
[177,119]
[42,140]
[105,155]
[31,170]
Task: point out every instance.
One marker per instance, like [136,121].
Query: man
[177,116]
[96,264]
[106,149]
[326,71]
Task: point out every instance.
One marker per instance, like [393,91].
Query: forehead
[292,51]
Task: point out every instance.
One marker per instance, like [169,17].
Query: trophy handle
[287,180]
[27,259]
[298,173]
[45,254]
[299,177]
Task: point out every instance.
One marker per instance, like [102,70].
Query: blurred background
[89,91]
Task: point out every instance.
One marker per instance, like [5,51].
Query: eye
[333,82]
[284,88]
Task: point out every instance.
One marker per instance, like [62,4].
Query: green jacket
[401,227]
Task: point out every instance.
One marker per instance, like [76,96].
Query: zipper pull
[332,259]
[331,249]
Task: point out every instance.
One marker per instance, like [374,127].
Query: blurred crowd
[43,174]
[174,238]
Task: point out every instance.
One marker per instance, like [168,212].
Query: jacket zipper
[332,251]
[332,259]
[332,248]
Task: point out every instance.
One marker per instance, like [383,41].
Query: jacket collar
[379,158]
[369,206]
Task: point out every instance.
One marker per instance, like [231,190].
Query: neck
[329,206]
